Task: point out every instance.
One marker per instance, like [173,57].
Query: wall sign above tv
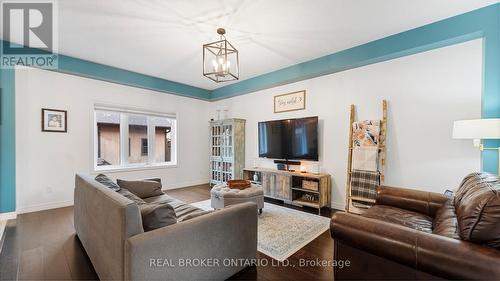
[290,102]
[289,139]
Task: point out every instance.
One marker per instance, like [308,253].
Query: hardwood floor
[191,194]
[43,246]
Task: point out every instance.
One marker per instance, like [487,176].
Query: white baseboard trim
[338,206]
[45,206]
[61,204]
[185,184]
[8,216]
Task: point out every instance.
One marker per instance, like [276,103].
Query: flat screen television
[289,139]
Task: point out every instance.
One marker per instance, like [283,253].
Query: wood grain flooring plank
[31,264]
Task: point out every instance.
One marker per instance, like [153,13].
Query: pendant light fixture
[220,60]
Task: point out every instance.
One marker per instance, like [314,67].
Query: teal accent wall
[491,84]
[112,74]
[482,23]
[7,142]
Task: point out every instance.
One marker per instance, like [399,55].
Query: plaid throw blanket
[364,183]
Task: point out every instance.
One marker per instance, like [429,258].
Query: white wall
[47,162]
[426,92]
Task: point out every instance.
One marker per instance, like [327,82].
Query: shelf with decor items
[296,188]
[227,150]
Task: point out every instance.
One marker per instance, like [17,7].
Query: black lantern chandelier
[220,60]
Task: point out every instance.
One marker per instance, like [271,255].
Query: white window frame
[124,140]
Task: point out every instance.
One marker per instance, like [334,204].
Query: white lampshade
[477,129]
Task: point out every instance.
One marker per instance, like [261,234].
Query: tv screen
[290,139]
[304,139]
[271,139]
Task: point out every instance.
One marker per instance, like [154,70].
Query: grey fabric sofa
[208,247]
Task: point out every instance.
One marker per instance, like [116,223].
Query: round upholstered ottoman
[222,196]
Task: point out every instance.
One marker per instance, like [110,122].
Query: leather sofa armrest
[409,199]
[434,254]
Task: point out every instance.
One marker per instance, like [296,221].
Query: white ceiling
[164,38]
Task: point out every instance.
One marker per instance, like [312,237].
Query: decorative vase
[255,177]
[315,168]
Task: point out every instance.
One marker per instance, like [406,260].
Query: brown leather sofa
[416,235]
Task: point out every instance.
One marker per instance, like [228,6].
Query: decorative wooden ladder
[381,158]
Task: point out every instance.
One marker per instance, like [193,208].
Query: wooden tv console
[290,187]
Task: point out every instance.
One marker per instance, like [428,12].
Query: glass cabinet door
[216,141]
[227,171]
[216,170]
[227,141]
[221,152]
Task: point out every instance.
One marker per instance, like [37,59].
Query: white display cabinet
[227,150]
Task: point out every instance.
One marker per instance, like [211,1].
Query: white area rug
[283,231]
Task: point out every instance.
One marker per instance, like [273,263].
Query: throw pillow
[106,181]
[131,196]
[142,188]
[157,215]
[154,179]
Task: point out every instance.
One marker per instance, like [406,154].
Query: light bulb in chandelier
[221,67]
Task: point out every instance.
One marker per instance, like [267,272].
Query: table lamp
[478,129]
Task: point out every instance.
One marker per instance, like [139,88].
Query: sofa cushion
[157,215]
[137,200]
[162,198]
[106,181]
[445,221]
[399,216]
[196,214]
[154,214]
[142,188]
[477,205]
[182,210]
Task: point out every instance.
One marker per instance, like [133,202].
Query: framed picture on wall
[290,101]
[54,120]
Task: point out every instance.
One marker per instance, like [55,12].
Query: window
[108,134]
[126,139]
[144,147]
